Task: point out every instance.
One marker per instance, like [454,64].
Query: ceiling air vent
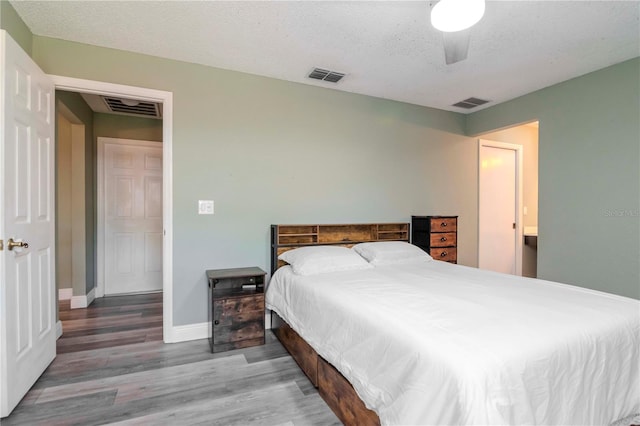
[470,103]
[326,75]
[133,107]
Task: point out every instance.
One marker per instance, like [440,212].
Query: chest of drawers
[437,235]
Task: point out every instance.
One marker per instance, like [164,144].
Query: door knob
[11,244]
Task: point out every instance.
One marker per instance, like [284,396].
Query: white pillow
[321,259]
[391,252]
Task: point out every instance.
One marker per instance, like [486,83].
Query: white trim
[65,293]
[519,151]
[58,329]
[98,87]
[183,333]
[78,302]
[100,207]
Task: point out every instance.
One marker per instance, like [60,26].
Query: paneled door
[499,234]
[27,275]
[131,213]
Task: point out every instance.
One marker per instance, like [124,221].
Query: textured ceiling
[387,49]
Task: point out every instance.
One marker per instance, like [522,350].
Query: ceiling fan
[455,19]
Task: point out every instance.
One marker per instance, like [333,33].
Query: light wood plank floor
[112,368]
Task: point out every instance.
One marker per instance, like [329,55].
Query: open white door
[27,276]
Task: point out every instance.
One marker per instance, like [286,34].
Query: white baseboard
[65,293]
[183,333]
[83,301]
[58,329]
[91,296]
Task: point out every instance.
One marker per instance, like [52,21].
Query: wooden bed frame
[333,387]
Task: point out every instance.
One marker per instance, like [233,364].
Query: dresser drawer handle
[216,322]
[443,254]
[443,239]
[443,224]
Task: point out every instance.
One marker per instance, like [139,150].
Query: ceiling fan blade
[456,46]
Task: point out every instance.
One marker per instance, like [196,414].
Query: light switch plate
[205,206]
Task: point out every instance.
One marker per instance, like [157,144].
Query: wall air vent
[326,75]
[470,103]
[133,107]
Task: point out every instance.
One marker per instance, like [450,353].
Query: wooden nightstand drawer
[444,224]
[238,322]
[251,330]
[447,254]
[443,239]
[238,319]
[235,305]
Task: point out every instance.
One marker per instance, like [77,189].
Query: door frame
[519,151]
[78,245]
[72,84]
[100,193]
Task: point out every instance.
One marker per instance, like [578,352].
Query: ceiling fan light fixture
[456,15]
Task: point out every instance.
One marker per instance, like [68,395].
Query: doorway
[500,207]
[166,100]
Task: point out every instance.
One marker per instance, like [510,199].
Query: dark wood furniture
[437,235]
[236,308]
[334,388]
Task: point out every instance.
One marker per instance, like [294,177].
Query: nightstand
[236,308]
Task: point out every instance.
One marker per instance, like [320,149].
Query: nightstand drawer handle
[216,322]
[443,224]
[443,239]
[443,254]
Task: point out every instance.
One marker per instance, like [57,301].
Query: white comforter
[435,343]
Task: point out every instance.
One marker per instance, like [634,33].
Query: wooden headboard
[289,237]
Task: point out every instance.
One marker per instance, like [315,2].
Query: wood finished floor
[112,368]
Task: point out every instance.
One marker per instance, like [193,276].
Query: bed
[418,341]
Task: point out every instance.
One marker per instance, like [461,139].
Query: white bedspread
[435,343]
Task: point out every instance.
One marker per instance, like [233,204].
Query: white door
[132,211]
[27,275]
[499,248]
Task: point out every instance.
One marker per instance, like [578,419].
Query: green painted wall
[126,127]
[81,110]
[268,151]
[15,26]
[589,176]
